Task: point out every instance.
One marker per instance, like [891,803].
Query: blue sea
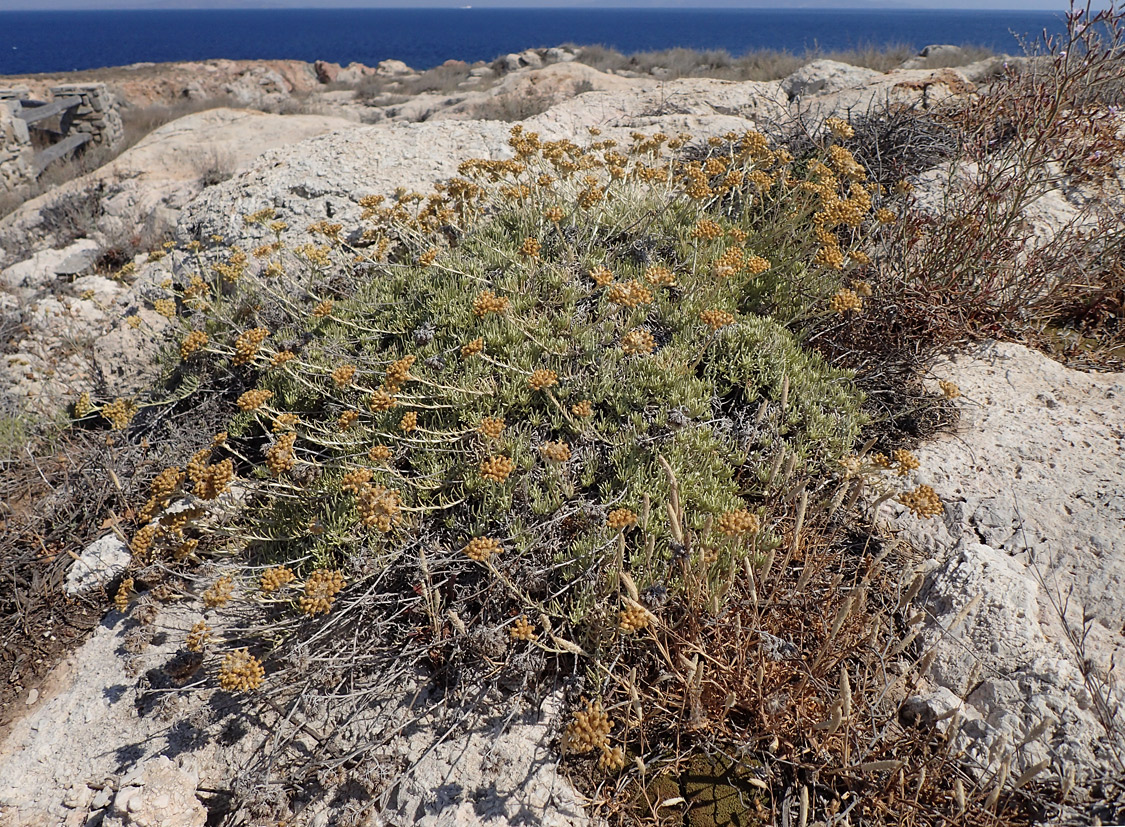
[423,38]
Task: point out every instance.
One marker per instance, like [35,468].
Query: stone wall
[15,147]
[96,115]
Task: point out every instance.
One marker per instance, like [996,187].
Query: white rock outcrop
[1030,555]
[99,562]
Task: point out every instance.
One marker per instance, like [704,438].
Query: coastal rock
[325,177]
[47,265]
[99,563]
[1027,562]
[697,105]
[901,88]
[393,68]
[167,168]
[936,54]
[824,76]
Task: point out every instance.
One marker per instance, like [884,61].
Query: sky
[1022,5]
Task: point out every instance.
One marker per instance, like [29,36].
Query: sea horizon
[54,41]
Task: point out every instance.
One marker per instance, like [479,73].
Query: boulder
[393,68]
[44,267]
[824,76]
[354,73]
[938,54]
[97,565]
[531,59]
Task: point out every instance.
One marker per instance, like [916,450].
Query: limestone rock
[393,68]
[166,168]
[934,55]
[823,76]
[45,266]
[1032,531]
[98,564]
[158,794]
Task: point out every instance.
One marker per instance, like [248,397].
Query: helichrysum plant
[505,375]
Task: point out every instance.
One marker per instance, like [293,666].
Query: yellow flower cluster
[380,400]
[629,294]
[260,217]
[839,127]
[906,462]
[522,629]
[620,518]
[541,379]
[120,413]
[488,302]
[343,375]
[553,214]
[491,427]
[121,599]
[472,348]
[949,389]
[323,309]
[280,456]
[198,637]
[496,469]
[379,507]
[356,480]
[285,422]
[275,578]
[347,419]
[601,276]
[638,342]
[583,409]
[739,522]
[845,301]
[632,619]
[923,502]
[530,248]
[165,307]
[428,258]
[281,357]
[321,588]
[220,593]
[612,759]
[252,400]
[379,453]
[398,373]
[756,265]
[555,451]
[83,405]
[195,340]
[885,216]
[716,319]
[409,422]
[241,671]
[143,540]
[210,480]
[247,344]
[845,163]
[481,548]
[659,276]
[589,730]
[707,230]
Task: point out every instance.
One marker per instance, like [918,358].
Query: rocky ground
[1019,580]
